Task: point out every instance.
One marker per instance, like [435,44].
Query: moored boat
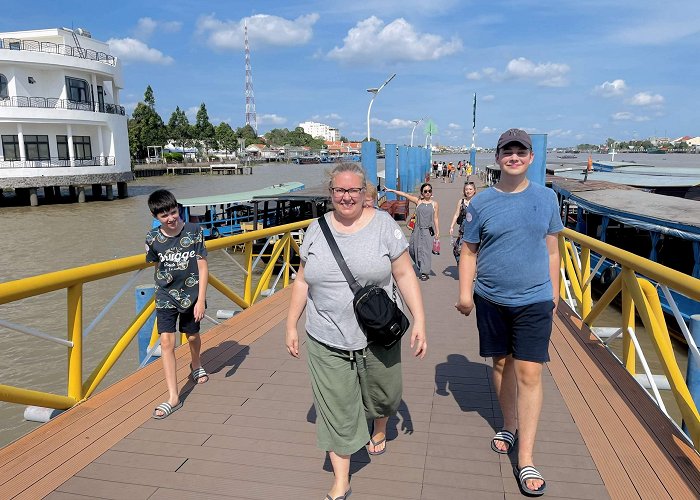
[224,215]
[664,229]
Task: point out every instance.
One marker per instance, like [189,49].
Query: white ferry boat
[61,124]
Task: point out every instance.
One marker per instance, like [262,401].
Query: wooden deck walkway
[249,432]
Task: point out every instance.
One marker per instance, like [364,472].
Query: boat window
[81,147]
[78,90]
[3,87]
[36,147]
[10,147]
[62,145]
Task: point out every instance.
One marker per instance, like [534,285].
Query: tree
[226,137]
[204,130]
[277,136]
[179,129]
[148,98]
[248,133]
[146,127]
[344,139]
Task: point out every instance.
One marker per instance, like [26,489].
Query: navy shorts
[167,318]
[522,331]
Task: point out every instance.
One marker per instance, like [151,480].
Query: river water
[54,237]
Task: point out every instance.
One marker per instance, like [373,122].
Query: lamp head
[373,90]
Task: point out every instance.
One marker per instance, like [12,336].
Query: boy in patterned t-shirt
[181,276]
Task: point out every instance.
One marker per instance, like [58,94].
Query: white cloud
[610,89]
[646,99]
[132,50]
[488,98]
[455,126]
[373,41]
[146,26]
[488,130]
[660,28]
[263,30]
[393,123]
[627,116]
[271,119]
[559,133]
[544,74]
[596,126]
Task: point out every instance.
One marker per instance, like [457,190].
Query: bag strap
[354,285]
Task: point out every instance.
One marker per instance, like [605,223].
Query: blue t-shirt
[510,228]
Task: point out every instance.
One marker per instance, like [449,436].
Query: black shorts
[168,317]
[522,331]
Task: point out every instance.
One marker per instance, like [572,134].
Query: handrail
[21,101]
[638,295]
[56,48]
[94,161]
[73,281]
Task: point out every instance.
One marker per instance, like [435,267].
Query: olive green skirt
[349,389]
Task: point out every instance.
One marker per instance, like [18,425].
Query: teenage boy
[513,227]
[181,276]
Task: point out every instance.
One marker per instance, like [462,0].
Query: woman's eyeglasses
[340,192]
[427,191]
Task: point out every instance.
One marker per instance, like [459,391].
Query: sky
[580,71]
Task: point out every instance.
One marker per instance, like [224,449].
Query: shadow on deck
[249,432]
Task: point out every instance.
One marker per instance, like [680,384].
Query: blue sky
[580,71]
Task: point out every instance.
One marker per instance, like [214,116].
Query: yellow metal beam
[36,398]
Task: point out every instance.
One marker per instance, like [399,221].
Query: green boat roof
[242,197]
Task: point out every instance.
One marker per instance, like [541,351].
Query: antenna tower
[251,118]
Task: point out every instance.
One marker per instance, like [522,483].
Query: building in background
[321,131]
[61,124]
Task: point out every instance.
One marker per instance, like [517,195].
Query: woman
[351,380]
[426,230]
[468,192]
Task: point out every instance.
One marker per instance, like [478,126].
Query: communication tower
[251,118]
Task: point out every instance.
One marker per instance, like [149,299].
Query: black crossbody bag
[379,317]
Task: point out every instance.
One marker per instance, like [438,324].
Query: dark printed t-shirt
[176,272]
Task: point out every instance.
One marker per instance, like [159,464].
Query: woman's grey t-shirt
[369,252]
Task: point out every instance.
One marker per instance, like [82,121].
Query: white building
[60,119]
[321,131]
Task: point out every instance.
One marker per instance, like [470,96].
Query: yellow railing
[638,295]
[72,280]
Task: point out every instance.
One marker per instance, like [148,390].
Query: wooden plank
[568,375]
[674,461]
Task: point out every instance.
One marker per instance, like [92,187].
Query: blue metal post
[403,168]
[369,160]
[390,169]
[693,372]
[142,295]
[538,169]
[472,160]
[411,170]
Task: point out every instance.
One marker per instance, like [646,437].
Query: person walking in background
[181,277]
[468,170]
[452,171]
[468,192]
[426,230]
[371,194]
[351,380]
[513,226]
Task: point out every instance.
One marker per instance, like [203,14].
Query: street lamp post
[415,124]
[374,92]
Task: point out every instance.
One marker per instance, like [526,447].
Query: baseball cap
[514,135]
